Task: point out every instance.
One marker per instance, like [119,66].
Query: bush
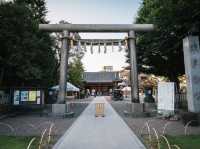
[189,116]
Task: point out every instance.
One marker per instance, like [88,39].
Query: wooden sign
[99,109]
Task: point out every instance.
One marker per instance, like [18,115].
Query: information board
[16,98]
[27,97]
[32,96]
[24,95]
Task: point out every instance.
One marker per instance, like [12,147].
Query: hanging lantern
[120,46]
[91,48]
[99,48]
[105,47]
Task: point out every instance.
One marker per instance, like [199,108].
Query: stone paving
[90,132]
[173,128]
[33,124]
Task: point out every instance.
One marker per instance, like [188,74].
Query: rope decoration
[99,47]
[82,45]
[120,46]
[112,47]
[91,48]
[79,46]
[85,47]
[105,48]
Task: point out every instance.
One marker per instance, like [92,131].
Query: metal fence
[4,96]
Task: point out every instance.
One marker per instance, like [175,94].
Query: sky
[96,12]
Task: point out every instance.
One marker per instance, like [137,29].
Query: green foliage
[184,142]
[11,142]
[160,52]
[75,71]
[37,7]
[26,55]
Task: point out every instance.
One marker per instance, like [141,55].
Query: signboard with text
[27,97]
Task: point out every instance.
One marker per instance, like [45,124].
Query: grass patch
[184,142]
[12,142]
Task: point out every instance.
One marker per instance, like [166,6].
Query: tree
[37,7]
[76,71]
[26,55]
[160,52]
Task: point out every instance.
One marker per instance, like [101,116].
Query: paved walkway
[89,132]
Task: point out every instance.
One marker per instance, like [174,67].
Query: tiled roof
[100,77]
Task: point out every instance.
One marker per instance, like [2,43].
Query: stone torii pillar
[133,71]
[113,28]
[63,67]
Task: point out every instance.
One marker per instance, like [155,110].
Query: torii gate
[126,28]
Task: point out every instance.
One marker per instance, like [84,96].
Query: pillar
[191,51]
[63,67]
[133,71]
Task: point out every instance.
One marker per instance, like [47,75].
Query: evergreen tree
[75,71]
[161,52]
[26,55]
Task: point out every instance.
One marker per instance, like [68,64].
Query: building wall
[102,89]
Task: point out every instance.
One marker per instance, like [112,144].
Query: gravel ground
[34,124]
[136,124]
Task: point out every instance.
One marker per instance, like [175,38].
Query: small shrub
[189,116]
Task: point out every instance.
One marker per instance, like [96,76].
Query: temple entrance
[131,29]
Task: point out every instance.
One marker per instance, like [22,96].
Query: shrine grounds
[16,132]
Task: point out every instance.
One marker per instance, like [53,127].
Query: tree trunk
[174,78]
